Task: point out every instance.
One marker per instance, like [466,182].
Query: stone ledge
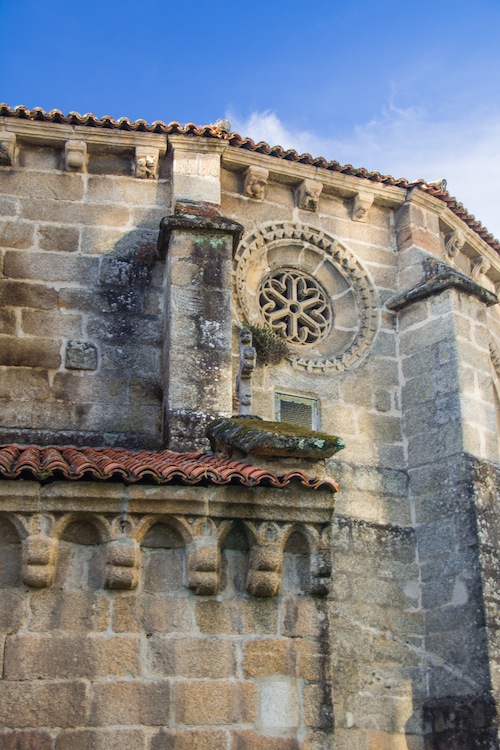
[258,437]
[197,216]
[438,278]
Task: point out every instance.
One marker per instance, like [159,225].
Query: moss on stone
[260,437]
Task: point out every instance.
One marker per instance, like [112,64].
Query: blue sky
[407,88]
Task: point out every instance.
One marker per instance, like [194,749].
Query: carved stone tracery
[295,306]
[263,258]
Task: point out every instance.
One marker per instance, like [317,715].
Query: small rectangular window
[298,410]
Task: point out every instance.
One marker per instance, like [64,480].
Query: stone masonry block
[279,705]
[22,384]
[55,238]
[151,614]
[8,206]
[49,266]
[80,355]
[55,610]
[251,615]
[209,702]
[247,740]
[41,704]
[48,324]
[268,656]
[67,212]
[29,352]
[200,739]
[126,190]
[210,658]
[47,186]
[130,702]
[17,234]
[45,657]
[29,739]
[22,294]
[301,617]
[101,739]
[7,321]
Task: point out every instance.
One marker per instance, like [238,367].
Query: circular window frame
[311,251]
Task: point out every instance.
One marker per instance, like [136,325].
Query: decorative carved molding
[248,357]
[308,193]
[361,204]
[308,249]
[256,182]
[453,243]
[7,149]
[75,156]
[146,163]
[203,539]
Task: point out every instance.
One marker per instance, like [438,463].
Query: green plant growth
[271,347]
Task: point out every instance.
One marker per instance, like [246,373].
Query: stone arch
[296,561]
[163,556]
[235,543]
[81,556]
[179,525]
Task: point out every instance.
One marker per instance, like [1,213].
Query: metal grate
[297,410]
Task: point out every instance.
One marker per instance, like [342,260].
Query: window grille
[297,410]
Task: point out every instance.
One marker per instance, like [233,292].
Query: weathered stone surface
[80,355]
[29,352]
[192,657]
[197,739]
[130,702]
[209,702]
[41,704]
[262,438]
[49,657]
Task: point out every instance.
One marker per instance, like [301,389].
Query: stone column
[449,428]
[196,168]
[198,243]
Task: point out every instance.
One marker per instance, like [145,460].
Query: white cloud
[464,149]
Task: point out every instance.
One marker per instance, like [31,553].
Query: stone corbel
[203,568]
[256,182]
[361,204]
[453,243]
[480,268]
[308,193]
[39,553]
[264,571]
[7,149]
[266,559]
[146,163]
[320,572]
[75,156]
[122,564]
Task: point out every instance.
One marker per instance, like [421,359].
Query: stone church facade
[318,571]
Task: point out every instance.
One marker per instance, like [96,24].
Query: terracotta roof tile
[234,139]
[68,462]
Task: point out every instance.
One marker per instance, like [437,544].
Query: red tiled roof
[68,462]
[213,131]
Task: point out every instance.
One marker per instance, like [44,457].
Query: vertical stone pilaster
[198,243]
[196,168]
[446,420]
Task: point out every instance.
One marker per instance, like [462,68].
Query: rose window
[295,306]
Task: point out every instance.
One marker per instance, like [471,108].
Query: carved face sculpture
[256,188]
[311,198]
